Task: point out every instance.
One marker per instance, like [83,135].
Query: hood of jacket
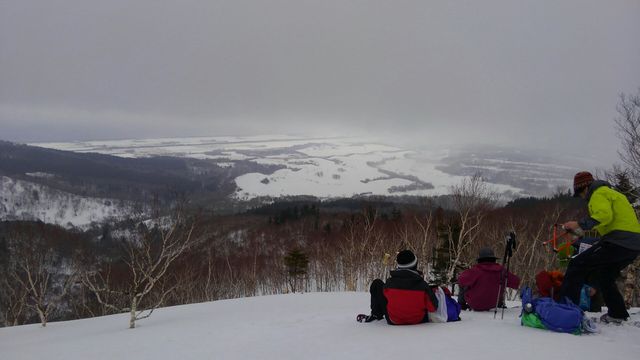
[594,186]
[489,266]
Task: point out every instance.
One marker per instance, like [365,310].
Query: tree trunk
[43,318]
[132,319]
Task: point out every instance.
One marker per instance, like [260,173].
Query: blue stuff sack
[453,309]
[566,318]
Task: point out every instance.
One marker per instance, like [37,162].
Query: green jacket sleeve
[600,209]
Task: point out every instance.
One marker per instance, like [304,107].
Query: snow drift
[305,326]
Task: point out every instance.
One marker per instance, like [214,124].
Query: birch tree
[148,256]
[472,201]
[42,275]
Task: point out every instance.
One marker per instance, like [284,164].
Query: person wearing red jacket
[480,284]
[405,298]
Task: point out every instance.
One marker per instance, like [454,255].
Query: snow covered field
[329,167]
[305,326]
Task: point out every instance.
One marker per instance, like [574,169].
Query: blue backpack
[555,316]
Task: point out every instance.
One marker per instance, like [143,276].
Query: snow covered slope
[305,326]
[24,200]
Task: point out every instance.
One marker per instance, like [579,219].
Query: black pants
[461,300]
[606,260]
[378,301]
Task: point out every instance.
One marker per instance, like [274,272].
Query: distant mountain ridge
[101,175]
[65,187]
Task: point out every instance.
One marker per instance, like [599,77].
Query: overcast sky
[537,73]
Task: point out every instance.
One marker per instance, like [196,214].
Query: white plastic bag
[440,315]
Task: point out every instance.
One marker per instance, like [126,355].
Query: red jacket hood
[489,267]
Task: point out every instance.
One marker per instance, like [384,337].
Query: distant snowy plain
[305,326]
[326,167]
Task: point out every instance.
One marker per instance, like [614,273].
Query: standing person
[480,285]
[613,217]
[405,298]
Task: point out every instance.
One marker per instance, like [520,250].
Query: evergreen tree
[297,263]
[623,184]
[448,233]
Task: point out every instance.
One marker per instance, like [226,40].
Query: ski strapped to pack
[562,239]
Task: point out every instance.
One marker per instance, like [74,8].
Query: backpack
[440,315]
[559,317]
[553,315]
[453,308]
[448,309]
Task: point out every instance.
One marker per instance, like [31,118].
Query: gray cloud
[534,73]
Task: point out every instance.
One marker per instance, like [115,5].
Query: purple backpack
[453,309]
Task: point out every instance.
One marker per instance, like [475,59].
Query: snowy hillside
[344,167]
[305,326]
[24,200]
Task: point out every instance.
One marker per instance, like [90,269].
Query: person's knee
[606,284]
[376,284]
[575,274]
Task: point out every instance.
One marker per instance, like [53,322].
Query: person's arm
[431,300]
[600,212]
[467,278]
[513,281]
[588,223]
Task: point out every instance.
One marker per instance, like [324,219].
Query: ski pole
[504,277]
[512,238]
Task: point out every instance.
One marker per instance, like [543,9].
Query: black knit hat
[486,254]
[406,260]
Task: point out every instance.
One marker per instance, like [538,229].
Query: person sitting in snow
[405,298]
[480,285]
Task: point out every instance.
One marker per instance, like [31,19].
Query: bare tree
[13,297]
[148,257]
[43,275]
[13,300]
[472,200]
[628,128]
[426,237]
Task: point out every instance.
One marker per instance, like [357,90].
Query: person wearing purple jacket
[480,285]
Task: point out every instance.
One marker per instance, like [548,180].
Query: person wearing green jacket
[613,217]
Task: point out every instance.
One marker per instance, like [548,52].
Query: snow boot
[607,319]
[368,318]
